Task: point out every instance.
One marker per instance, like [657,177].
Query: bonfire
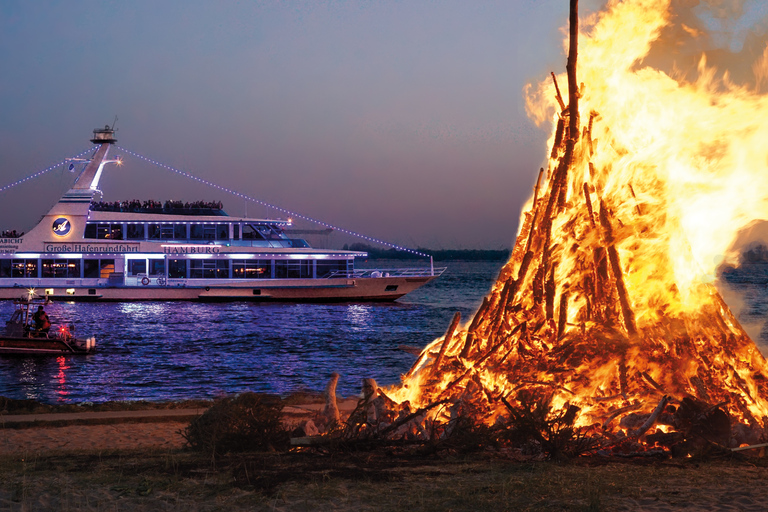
[604,331]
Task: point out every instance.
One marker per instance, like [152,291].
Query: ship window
[61,268]
[293,269]
[24,268]
[236,231]
[91,291]
[251,233]
[94,269]
[155,231]
[209,269]
[156,267]
[136,267]
[5,268]
[90,231]
[391,288]
[109,231]
[177,269]
[90,269]
[196,231]
[252,269]
[106,268]
[135,232]
[180,231]
[222,231]
[326,268]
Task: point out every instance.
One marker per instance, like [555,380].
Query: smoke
[730,34]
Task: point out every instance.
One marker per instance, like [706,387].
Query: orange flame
[617,307]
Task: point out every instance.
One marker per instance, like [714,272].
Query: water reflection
[359,315]
[176,350]
[61,378]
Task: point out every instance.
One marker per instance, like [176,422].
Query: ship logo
[61,226]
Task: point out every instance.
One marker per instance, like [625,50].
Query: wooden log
[562,314]
[330,410]
[573,51]
[558,135]
[623,382]
[652,382]
[613,258]
[750,447]
[588,201]
[499,319]
[557,91]
[473,327]
[402,421]
[446,342]
[549,294]
[652,418]
[600,262]
[622,410]
[552,385]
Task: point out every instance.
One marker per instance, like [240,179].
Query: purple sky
[401,120]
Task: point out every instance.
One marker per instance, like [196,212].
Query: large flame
[607,300]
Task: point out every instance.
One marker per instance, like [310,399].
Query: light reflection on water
[176,350]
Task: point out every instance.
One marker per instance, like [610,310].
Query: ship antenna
[114,123]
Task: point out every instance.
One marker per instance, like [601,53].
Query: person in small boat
[42,322]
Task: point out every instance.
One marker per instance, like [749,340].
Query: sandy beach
[118,436]
[139,466]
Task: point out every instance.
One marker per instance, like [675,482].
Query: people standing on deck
[42,322]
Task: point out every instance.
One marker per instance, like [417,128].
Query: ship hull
[36,346]
[292,290]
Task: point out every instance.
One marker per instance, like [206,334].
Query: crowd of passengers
[135,205]
[11,233]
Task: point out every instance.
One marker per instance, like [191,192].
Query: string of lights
[263,203]
[40,173]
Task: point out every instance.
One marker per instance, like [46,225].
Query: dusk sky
[402,120]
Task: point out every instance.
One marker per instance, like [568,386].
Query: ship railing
[385,272]
[287,243]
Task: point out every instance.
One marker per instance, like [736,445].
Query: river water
[176,350]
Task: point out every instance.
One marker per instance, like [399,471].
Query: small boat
[21,337]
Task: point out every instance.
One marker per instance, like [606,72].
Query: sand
[662,487]
[120,436]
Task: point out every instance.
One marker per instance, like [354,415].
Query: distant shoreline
[375,253]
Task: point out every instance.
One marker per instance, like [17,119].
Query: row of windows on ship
[182,231]
[172,268]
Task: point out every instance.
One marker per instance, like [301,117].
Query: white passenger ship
[86,250]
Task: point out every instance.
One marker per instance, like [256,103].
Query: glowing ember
[606,309]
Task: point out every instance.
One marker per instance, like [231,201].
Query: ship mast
[89,179]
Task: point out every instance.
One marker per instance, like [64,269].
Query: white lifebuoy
[145,281]
[161,281]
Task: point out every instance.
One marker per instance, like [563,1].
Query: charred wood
[613,258]
[557,92]
[562,314]
[652,418]
[447,339]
